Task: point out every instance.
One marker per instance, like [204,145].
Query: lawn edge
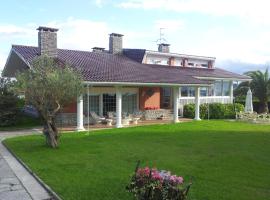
[42,183]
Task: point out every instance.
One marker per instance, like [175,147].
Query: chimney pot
[47,41]
[98,49]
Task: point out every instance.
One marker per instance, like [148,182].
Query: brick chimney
[47,41]
[164,48]
[210,64]
[116,43]
[184,62]
[171,61]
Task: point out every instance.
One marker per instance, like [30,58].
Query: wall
[71,108]
[147,100]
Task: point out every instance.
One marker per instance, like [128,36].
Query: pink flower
[155,175]
[180,180]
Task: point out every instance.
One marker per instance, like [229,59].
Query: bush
[8,103]
[216,110]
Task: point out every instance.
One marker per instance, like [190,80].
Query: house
[128,80]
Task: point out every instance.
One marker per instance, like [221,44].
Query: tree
[8,103]
[260,86]
[240,92]
[49,86]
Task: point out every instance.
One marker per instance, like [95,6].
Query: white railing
[210,99]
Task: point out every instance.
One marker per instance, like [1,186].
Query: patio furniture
[111,115]
[135,120]
[125,121]
[96,119]
[109,122]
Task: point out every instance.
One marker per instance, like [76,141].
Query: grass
[225,160]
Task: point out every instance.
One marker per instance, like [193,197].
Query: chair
[96,118]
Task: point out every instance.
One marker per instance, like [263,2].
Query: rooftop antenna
[161,37]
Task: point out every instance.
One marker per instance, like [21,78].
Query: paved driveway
[15,181]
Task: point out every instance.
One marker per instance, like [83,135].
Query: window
[191,92]
[203,91]
[93,104]
[218,88]
[187,91]
[129,103]
[226,88]
[204,65]
[166,97]
[109,103]
[184,91]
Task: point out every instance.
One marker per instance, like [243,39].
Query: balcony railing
[209,99]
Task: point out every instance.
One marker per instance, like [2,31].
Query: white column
[231,91]
[101,105]
[175,104]
[197,103]
[80,113]
[118,107]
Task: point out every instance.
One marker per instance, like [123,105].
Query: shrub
[8,103]
[189,111]
[216,110]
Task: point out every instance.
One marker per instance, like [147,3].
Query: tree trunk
[263,107]
[51,133]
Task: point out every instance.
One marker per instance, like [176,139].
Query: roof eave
[223,78]
[93,83]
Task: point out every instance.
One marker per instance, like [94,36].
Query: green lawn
[226,160]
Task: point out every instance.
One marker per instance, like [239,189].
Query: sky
[236,32]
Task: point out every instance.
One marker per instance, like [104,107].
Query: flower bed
[153,184]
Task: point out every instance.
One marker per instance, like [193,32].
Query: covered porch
[128,105]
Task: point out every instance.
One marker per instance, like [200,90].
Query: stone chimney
[47,41]
[98,49]
[164,48]
[116,43]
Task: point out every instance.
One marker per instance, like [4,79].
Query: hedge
[216,110]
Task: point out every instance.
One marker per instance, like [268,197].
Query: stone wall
[66,119]
[160,113]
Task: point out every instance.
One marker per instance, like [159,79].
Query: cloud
[257,11]
[73,34]
[11,30]
[81,34]
[241,67]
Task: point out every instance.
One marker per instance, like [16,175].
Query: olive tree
[48,86]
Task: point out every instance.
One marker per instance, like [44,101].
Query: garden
[222,159]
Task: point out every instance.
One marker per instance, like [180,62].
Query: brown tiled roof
[105,67]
